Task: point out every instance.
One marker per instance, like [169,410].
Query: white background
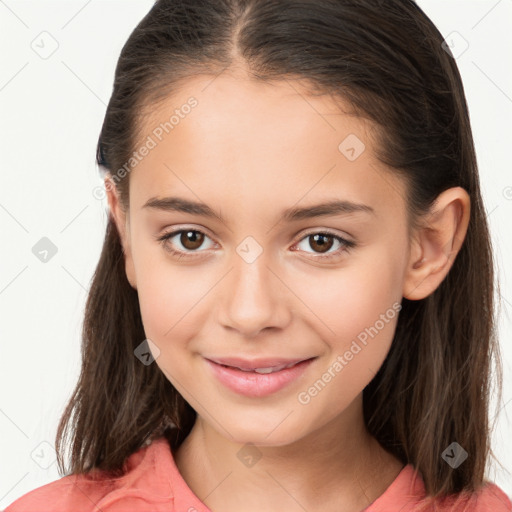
[50,118]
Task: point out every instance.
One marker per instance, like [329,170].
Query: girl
[293,309]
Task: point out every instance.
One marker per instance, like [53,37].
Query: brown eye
[191,240]
[321,242]
[183,242]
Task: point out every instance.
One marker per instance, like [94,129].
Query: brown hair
[387,61]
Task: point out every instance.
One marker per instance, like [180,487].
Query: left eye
[193,239]
[323,242]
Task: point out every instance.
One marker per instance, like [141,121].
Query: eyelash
[347,245]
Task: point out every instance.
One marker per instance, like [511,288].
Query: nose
[255,298]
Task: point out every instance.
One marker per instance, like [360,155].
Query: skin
[250,151]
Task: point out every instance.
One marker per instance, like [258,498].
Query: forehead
[251,145]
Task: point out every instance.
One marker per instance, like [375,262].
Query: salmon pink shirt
[153,483]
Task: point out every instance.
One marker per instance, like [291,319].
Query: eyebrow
[335,207]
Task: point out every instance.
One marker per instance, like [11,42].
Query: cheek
[170,305]
[360,307]
[351,298]
[354,310]
[170,297]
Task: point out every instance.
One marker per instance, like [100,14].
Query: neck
[338,465]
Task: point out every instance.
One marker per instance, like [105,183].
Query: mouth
[257,378]
[260,366]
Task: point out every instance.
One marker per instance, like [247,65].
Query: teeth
[271,369]
[268,370]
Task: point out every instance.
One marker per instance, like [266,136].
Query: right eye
[190,239]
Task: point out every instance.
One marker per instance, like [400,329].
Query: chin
[259,434]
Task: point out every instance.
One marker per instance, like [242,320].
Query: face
[250,282]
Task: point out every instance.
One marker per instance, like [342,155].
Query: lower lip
[257,384]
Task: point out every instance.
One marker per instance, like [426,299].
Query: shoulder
[491,497]
[407,494]
[144,486]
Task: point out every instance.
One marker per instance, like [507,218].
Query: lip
[246,364]
[254,384]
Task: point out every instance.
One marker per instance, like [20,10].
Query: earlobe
[119,218]
[436,243]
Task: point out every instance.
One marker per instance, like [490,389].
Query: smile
[258,381]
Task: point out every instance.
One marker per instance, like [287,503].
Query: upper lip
[252,364]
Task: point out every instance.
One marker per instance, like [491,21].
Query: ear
[121,220]
[436,243]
